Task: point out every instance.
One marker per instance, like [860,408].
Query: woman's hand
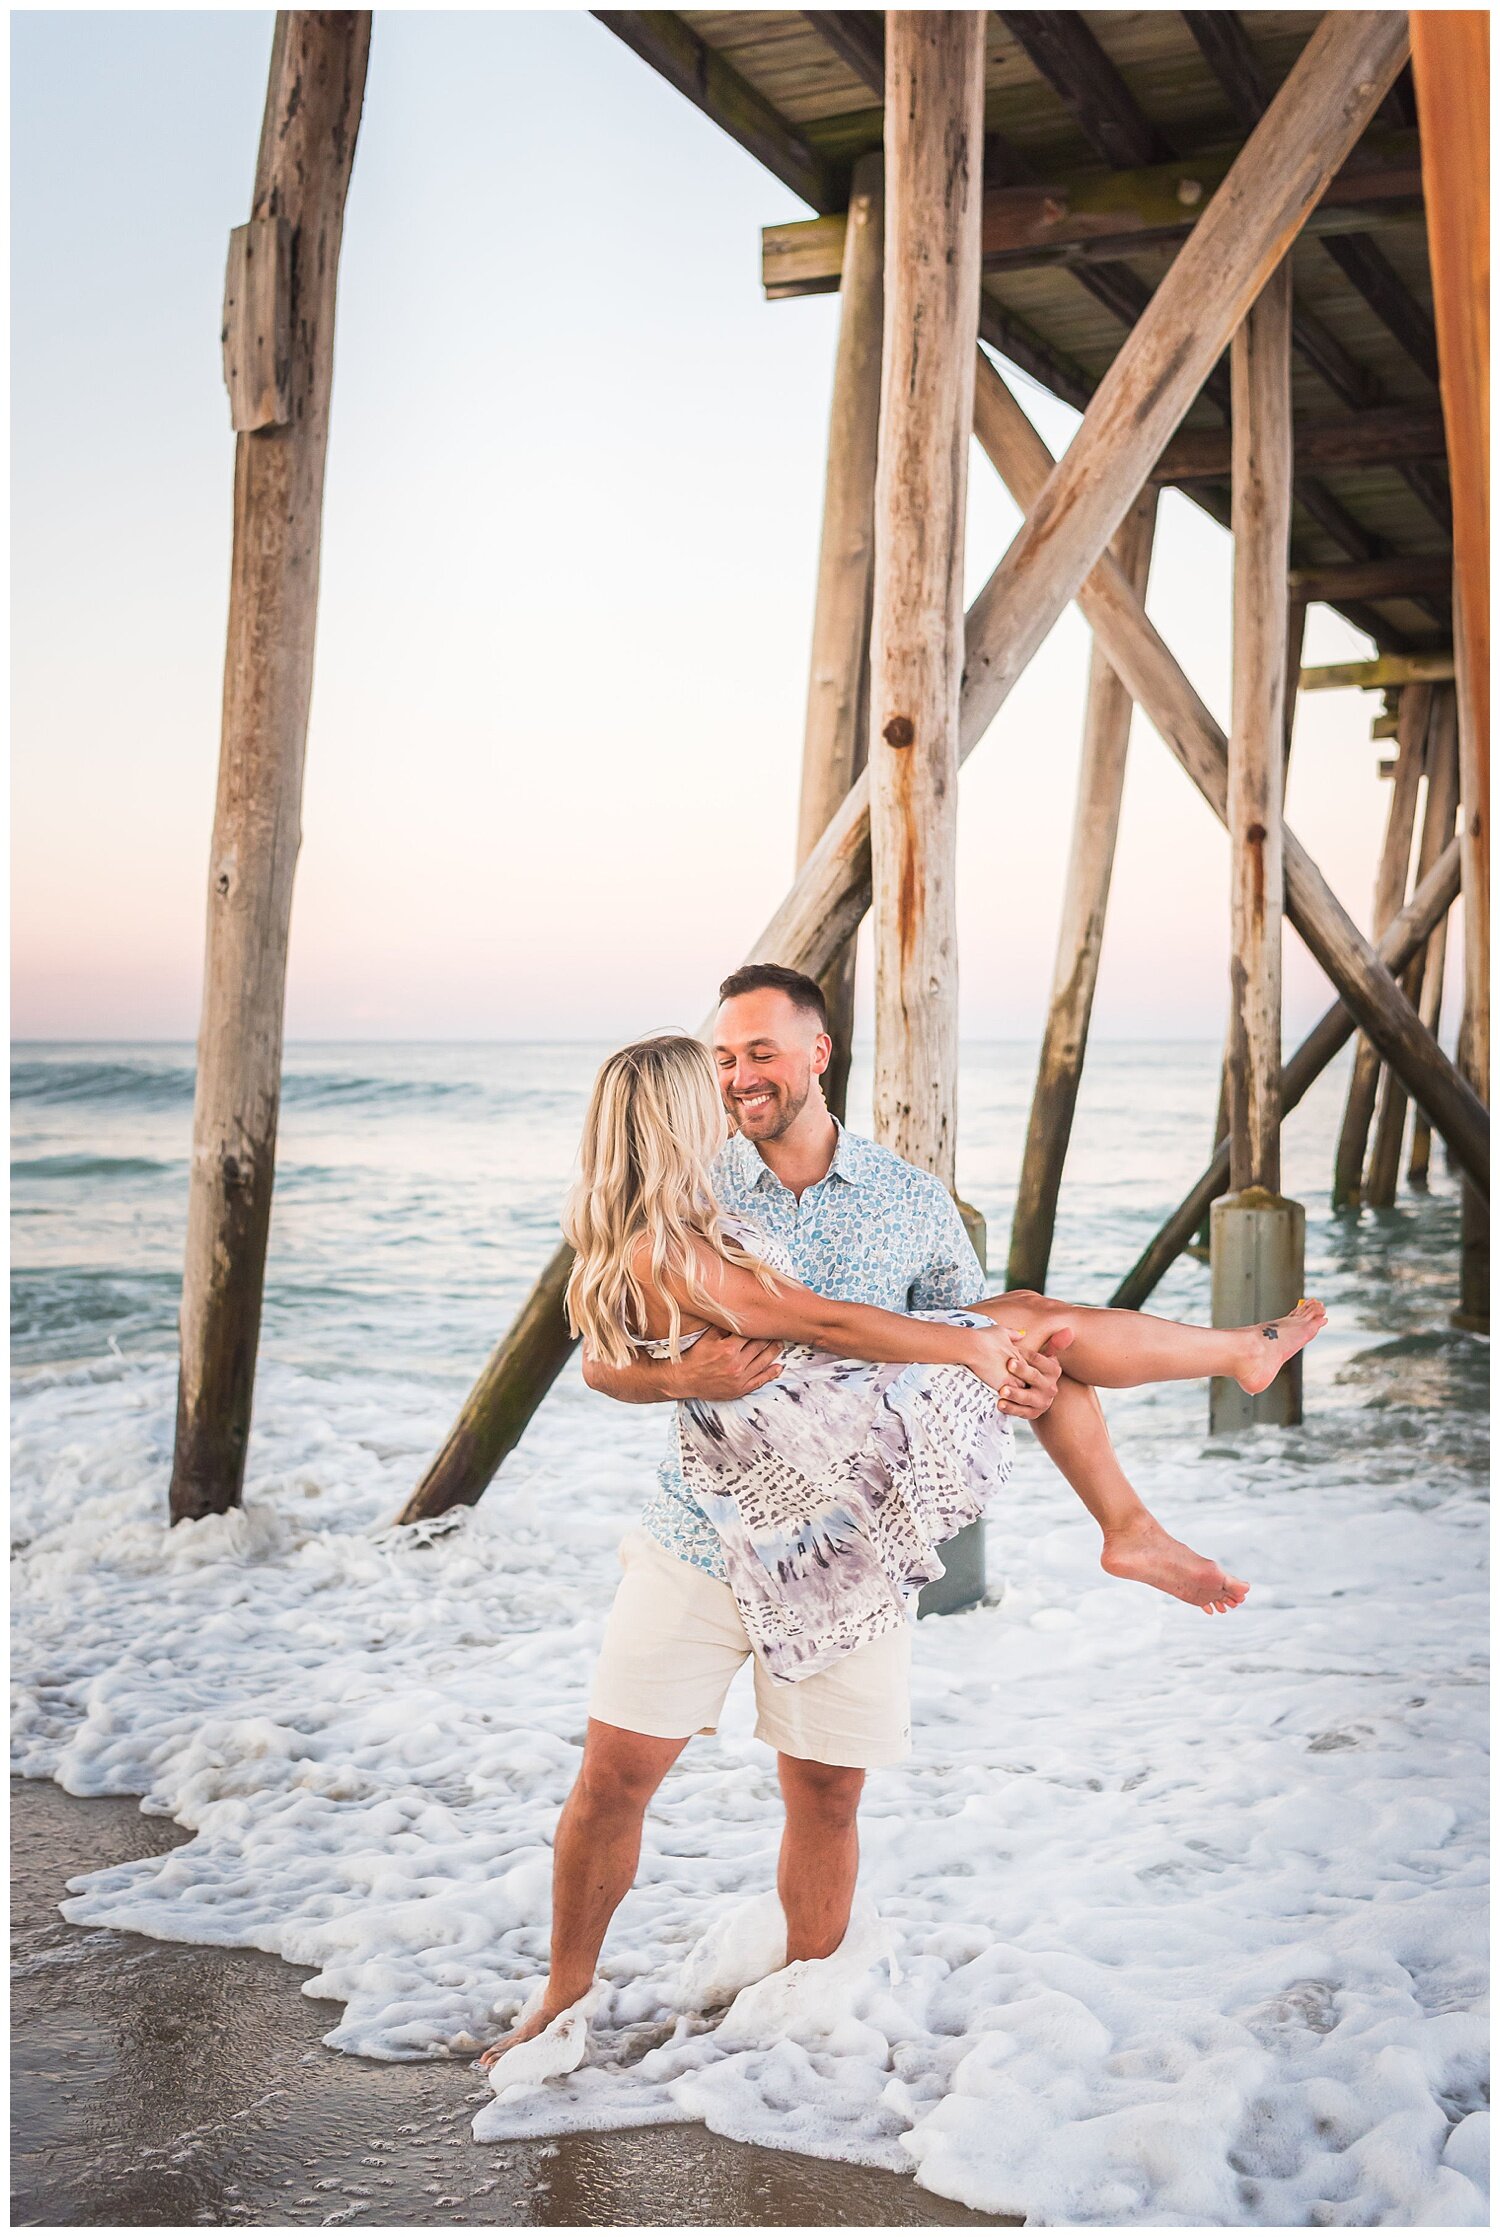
[1025,1381]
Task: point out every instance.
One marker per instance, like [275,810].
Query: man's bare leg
[1075,1437]
[1116,1349]
[819,1860]
[595,1852]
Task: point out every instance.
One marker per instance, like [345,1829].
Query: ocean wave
[66,1080]
[84,1166]
[352,1087]
[161,1087]
[64,1313]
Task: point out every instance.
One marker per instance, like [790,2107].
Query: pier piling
[312,113]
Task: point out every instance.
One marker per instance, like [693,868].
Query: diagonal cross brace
[1402,941]
[1136,652]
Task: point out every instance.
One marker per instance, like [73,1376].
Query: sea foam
[1169,1919]
[1172,1919]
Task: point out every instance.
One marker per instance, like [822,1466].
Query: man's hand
[1032,1375]
[720,1367]
[716,1367]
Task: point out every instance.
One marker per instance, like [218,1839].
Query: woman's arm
[795,1314]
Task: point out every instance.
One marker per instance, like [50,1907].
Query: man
[860,1224]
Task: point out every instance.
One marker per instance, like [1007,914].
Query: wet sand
[163,2083]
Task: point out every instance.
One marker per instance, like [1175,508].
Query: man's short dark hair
[795,985]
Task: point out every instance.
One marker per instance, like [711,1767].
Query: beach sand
[162,2083]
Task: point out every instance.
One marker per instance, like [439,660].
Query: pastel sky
[571,528]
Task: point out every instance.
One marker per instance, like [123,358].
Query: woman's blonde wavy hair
[655,1124]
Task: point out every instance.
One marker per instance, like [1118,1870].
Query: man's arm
[952,1275]
[716,1368]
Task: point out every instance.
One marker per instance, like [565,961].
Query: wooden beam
[1442,775]
[1261,370]
[493,1418]
[674,50]
[1439,808]
[1350,439]
[1390,887]
[857,37]
[1085,216]
[1296,627]
[1378,675]
[1064,51]
[1080,937]
[1399,107]
[1225,45]
[1251,222]
[1208,253]
[934,139]
[1403,939]
[1168,699]
[837,726]
[1451,66]
[1010,335]
[1371,274]
[311,121]
[1067,53]
[1397,577]
[1227,49]
[1123,292]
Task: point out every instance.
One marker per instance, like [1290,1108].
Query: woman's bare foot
[525,2031]
[1268,1347]
[1147,1555]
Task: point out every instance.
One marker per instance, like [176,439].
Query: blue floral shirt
[873,1231]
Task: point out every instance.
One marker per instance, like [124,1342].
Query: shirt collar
[851,1159]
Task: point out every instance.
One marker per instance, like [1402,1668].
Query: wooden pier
[1251,250]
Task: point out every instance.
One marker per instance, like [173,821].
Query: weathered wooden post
[278,358]
[1442,770]
[1474,1042]
[1451,72]
[1412,720]
[1296,629]
[1256,1236]
[835,738]
[1439,807]
[1080,938]
[934,67]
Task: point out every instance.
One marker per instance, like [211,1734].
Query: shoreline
[174,2083]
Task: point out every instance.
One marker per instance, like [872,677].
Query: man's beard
[783,1115]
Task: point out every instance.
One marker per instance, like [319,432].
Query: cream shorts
[674,1640]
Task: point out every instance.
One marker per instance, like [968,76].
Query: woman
[832,1486]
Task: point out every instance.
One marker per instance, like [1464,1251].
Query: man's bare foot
[1147,1555]
[1268,1346]
[525,2031]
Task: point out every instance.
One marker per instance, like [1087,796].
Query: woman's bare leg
[1115,1349]
[1075,1437]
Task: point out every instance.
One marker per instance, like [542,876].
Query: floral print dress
[832,1487]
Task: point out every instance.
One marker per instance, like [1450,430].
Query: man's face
[767,1054]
